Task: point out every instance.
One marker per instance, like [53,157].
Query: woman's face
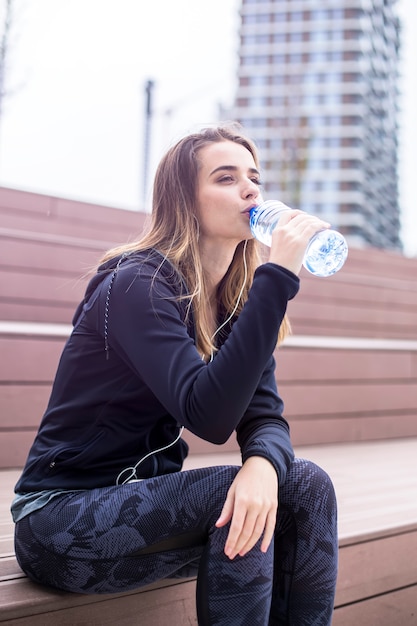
[228,187]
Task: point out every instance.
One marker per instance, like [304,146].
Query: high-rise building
[318,94]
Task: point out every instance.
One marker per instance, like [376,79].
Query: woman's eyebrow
[232,168]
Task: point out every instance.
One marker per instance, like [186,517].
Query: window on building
[351,55]
[318,56]
[280,17]
[255,39]
[276,144]
[332,77]
[258,80]
[261,59]
[319,35]
[352,34]
[319,14]
[353,13]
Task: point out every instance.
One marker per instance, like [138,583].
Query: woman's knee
[309,484]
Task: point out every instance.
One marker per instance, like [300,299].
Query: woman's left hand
[251,505]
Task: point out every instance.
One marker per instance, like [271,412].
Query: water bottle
[326,252]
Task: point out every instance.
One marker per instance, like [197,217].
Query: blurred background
[94,91]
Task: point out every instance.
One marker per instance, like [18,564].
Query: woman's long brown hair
[174,231]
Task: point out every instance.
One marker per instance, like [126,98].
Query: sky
[73,118]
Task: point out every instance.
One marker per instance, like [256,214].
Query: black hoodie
[130,376]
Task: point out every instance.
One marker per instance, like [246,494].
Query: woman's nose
[251,190]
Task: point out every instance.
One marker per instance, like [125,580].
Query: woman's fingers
[246,530]
[251,507]
[290,238]
[255,528]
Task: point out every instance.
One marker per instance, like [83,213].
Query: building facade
[318,93]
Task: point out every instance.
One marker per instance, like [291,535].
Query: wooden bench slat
[40,312]
[317,364]
[9,568]
[6,545]
[342,320]
[28,359]
[48,288]
[351,429]
[348,398]
[398,608]
[38,211]
[24,602]
[115,232]
[379,565]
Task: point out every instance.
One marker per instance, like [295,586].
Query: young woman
[178,331]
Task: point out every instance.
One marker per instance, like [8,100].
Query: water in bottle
[326,252]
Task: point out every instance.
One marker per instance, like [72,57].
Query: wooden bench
[377,581]
[348,376]
[349,372]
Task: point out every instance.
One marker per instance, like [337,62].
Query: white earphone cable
[133,476]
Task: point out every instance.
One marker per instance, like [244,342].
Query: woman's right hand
[291,237]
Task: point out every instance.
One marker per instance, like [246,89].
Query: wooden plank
[6,547]
[39,258]
[84,212]
[29,359]
[24,603]
[23,405]
[63,214]
[127,227]
[384,565]
[40,312]
[383,264]
[9,569]
[375,484]
[366,287]
[377,321]
[359,303]
[327,365]
[398,608]
[14,200]
[325,328]
[113,233]
[49,289]
[349,429]
[319,399]
[14,447]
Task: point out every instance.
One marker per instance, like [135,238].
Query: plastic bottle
[326,252]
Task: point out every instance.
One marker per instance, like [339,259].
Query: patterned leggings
[119,538]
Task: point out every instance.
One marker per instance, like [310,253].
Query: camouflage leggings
[119,538]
